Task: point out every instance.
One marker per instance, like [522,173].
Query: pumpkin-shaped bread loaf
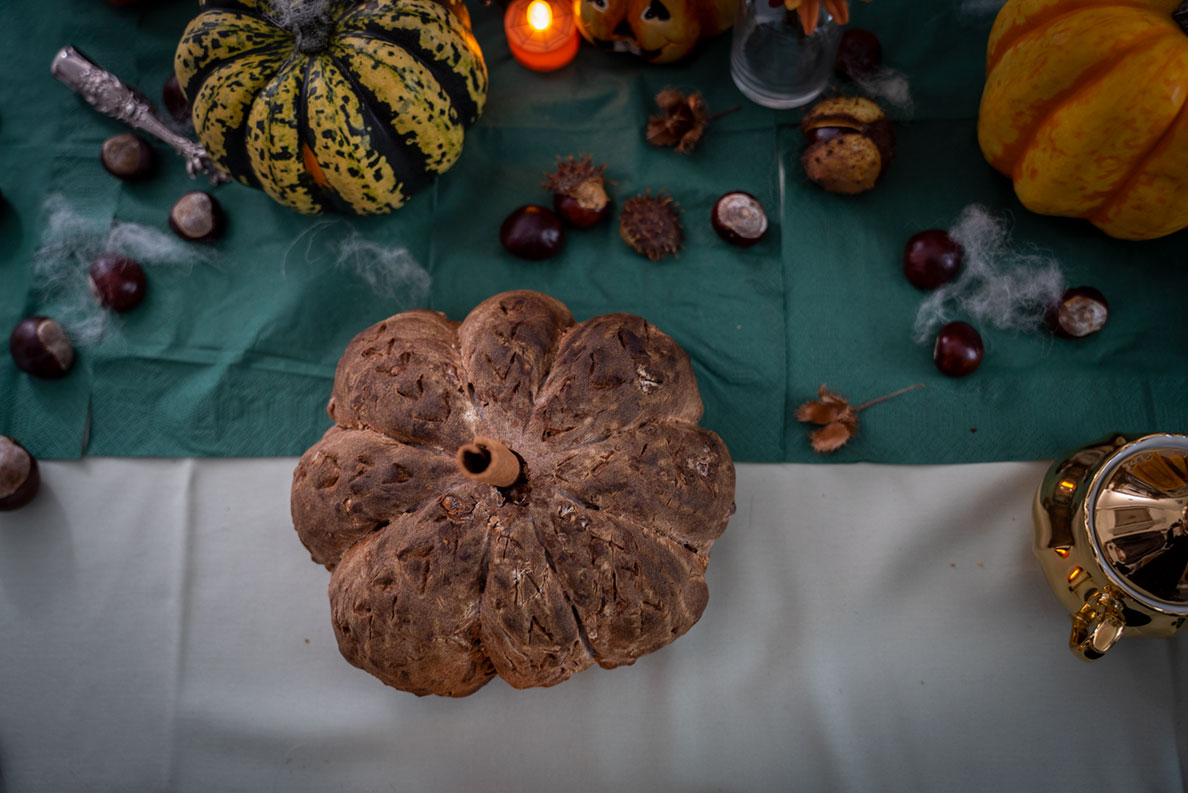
[516,495]
[349,105]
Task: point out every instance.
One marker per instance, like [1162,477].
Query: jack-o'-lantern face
[660,31]
[604,21]
[665,30]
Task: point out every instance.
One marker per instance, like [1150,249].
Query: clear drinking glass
[773,62]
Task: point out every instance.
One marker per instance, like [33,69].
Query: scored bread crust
[596,554]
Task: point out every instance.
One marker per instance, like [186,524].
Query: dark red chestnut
[739,219]
[859,54]
[117,282]
[175,101]
[931,258]
[532,232]
[128,156]
[19,475]
[1080,312]
[958,349]
[197,217]
[578,214]
[40,347]
[579,191]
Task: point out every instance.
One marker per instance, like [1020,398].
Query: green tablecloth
[235,357]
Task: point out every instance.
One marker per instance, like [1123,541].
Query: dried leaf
[831,437]
[826,409]
[840,420]
[683,122]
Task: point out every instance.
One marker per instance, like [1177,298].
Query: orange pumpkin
[1084,108]
[660,31]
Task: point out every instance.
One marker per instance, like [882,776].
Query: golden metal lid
[1138,522]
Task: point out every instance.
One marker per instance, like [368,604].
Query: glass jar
[773,62]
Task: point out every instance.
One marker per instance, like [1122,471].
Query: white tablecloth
[869,628]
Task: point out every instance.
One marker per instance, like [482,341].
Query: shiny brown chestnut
[117,282]
[738,217]
[958,350]
[859,54]
[197,217]
[1080,312]
[577,214]
[532,232]
[175,101]
[20,477]
[931,258]
[41,347]
[579,191]
[127,156]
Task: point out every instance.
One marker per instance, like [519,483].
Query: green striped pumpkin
[353,110]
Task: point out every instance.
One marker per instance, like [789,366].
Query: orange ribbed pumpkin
[1084,108]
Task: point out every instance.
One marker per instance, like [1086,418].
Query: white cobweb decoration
[1000,284]
[71,240]
[889,86]
[391,272]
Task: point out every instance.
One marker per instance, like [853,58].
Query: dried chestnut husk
[19,475]
[1080,312]
[175,101]
[850,144]
[739,219]
[579,191]
[127,156]
[859,54]
[532,232]
[197,217]
[117,282]
[40,347]
[652,225]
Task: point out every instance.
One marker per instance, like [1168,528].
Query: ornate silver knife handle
[106,93]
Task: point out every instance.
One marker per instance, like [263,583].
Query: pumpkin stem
[306,20]
[488,461]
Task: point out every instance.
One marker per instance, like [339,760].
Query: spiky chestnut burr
[652,225]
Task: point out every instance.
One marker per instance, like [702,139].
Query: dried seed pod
[652,225]
[579,191]
[850,144]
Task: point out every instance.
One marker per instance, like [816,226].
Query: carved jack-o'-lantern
[660,31]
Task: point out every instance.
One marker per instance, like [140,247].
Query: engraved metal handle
[106,93]
[1097,626]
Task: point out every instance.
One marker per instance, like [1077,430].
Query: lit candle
[542,34]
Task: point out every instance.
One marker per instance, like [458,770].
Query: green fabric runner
[236,357]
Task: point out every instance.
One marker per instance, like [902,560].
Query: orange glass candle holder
[542,34]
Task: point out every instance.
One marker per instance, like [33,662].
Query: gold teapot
[1111,534]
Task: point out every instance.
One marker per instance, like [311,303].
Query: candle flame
[540,16]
